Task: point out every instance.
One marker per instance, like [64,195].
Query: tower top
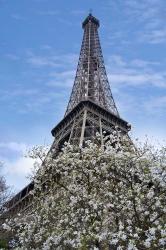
[91,19]
[91,81]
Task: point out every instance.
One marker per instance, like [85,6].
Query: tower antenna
[90,11]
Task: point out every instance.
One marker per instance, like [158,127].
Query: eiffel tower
[91,107]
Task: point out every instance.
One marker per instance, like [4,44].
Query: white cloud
[135,73]
[60,83]
[67,60]
[43,102]
[19,91]
[16,172]
[62,79]
[154,36]
[138,87]
[17,17]
[14,146]
[20,167]
[48,12]
[155,104]
[150,13]
[143,63]
[12,57]
[17,168]
[42,98]
[138,79]
[39,61]
[147,18]
[64,74]
[45,47]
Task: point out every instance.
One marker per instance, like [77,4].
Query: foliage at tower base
[97,197]
[5,194]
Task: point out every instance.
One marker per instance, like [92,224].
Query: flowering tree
[97,197]
[5,194]
[4,189]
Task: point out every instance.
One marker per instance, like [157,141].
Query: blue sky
[39,48]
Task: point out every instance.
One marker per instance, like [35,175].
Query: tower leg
[83,128]
[101,132]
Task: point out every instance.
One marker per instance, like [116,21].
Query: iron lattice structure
[91,82]
[91,107]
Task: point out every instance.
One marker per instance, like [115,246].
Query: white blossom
[97,197]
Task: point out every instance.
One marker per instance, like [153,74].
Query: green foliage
[3,244]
